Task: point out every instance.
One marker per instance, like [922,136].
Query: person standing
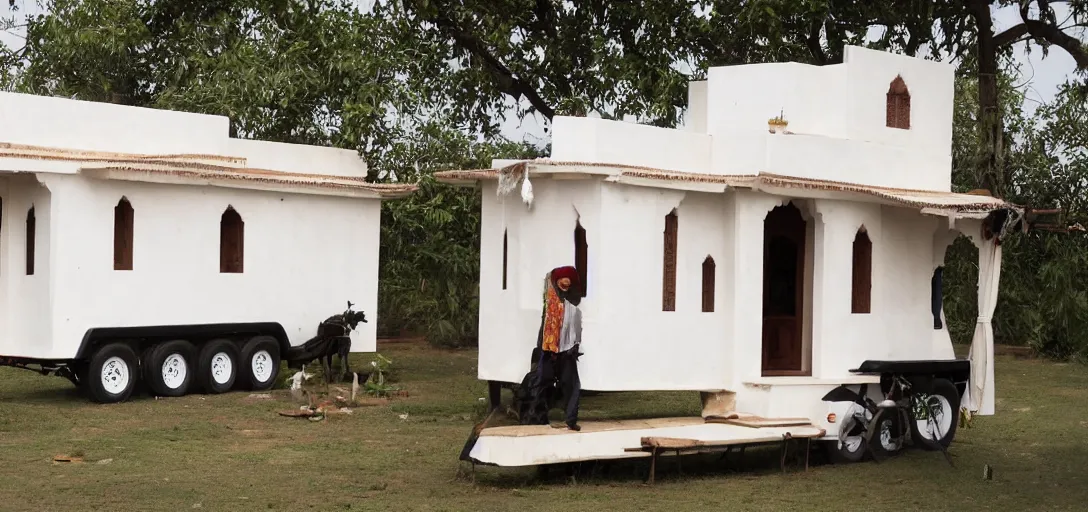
[558,342]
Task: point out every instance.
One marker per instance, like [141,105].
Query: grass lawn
[233,452]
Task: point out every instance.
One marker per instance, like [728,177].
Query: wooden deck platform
[528,445]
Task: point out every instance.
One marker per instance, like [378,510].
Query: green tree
[430,252]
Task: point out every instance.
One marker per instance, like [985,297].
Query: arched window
[505,248]
[898,107]
[861,288]
[936,297]
[709,269]
[30,231]
[668,287]
[122,235]
[231,241]
[581,257]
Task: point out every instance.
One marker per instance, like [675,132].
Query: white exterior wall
[631,344]
[26,299]
[932,97]
[538,241]
[642,347]
[836,117]
[742,98]
[87,125]
[93,126]
[899,326]
[279,156]
[625,331]
[305,256]
[584,139]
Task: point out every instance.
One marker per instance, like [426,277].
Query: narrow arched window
[668,286]
[122,235]
[231,241]
[898,106]
[936,296]
[709,269]
[505,249]
[581,258]
[30,232]
[861,289]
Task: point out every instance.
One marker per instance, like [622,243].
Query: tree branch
[813,43]
[1010,35]
[505,79]
[1041,30]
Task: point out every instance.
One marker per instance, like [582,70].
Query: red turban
[567,272]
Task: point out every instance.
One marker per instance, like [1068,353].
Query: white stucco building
[139,225]
[740,258]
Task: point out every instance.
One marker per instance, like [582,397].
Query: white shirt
[570,335]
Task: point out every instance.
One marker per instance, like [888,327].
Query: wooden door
[783,291]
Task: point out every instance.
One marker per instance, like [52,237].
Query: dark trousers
[564,367]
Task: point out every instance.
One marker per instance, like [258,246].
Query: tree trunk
[991,151]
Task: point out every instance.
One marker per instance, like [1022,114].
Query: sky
[1040,76]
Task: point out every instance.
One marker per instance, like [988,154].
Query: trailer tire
[111,373]
[217,366]
[845,453]
[945,402]
[887,441]
[169,371]
[259,363]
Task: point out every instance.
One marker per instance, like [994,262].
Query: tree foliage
[430,252]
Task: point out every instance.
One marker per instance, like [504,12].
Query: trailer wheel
[217,366]
[889,435]
[112,373]
[260,363]
[169,371]
[933,433]
[850,446]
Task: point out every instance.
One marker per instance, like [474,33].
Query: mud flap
[844,394]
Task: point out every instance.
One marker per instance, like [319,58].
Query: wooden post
[808,450]
[653,463]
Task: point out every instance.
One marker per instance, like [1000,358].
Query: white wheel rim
[174,371]
[853,443]
[262,365]
[855,415]
[942,412]
[115,375]
[222,368]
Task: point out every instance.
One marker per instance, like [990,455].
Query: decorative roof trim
[914,198]
[218,170]
[223,176]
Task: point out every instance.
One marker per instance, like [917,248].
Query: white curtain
[980,392]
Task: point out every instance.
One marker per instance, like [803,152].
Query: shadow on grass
[754,461]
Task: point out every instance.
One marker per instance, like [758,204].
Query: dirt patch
[1015,352]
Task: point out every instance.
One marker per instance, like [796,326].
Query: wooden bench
[657,445]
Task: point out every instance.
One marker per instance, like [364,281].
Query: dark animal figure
[333,339]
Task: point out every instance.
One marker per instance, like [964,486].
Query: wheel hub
[222,368]
[115,375]
[262,365]
[174,371]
